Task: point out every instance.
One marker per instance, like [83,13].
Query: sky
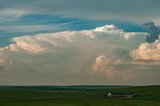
[86,42]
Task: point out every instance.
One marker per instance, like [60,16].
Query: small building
[120,95]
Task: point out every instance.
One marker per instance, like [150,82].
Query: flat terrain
[77,96]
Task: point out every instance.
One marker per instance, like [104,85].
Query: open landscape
[79,53]
[78,96]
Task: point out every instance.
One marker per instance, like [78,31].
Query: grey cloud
[130,10]
[153,32]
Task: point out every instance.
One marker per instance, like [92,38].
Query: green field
[77,96]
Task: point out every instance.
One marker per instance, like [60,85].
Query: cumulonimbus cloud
[68,55]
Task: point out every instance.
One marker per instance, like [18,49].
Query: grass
[77,96]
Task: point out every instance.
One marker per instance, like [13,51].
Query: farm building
[120,95]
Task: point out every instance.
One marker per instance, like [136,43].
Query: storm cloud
[96,56]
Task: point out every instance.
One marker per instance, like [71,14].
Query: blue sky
[63,42]
[34,24]
[20,17]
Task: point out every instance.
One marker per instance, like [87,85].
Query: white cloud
[43,42]
[99,63]
[111,29]
[25,43]
[144,62]
[108,28]
[147,51]
[157,21]
[119,61]
[12,14]
[88,56]
[130,35]
[26,28]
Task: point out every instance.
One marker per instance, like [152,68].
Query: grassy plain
[77,96]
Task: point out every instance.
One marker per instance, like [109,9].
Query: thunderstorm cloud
[104,55]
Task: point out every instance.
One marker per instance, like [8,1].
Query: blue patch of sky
[35,24]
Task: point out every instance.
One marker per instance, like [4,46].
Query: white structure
[120,95]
